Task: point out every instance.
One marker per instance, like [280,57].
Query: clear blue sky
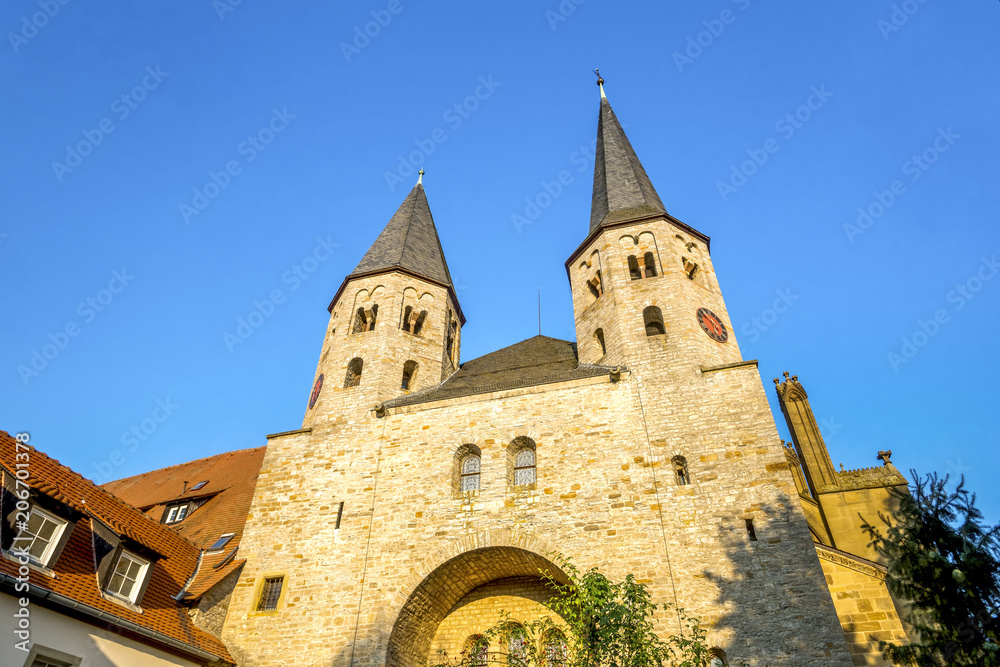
[701,87]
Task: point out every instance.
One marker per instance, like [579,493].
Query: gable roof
[537,360]
[410,241]
[622,190]
[231,478]
[75,568]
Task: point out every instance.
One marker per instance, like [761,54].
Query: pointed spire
[410,242]
[622,190]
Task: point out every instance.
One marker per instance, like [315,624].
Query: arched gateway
[466,590]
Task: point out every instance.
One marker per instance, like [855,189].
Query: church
[423,495]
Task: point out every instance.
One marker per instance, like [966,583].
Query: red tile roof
[231,479]
[75,568]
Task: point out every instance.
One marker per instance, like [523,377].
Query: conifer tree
[944,562]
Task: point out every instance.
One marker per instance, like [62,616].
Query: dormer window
[176,513]
[221,543]
[129,572]
[41,536]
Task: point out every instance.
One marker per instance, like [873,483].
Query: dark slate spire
[622,189]
[410,242]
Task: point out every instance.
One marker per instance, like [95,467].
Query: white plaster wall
[97,647]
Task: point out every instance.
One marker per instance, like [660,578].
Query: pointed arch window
[354,368]
[409,371]
[653,320]
[633,268]
[599,335]
[650,263]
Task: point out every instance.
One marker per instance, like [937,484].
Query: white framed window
[176,513]
[127,577]
[41,535]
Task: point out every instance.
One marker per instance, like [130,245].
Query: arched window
[680,466]
[418,324]
[517,647]
[524,467]
[599,334]
[354,369]
[555,652]
[476,650]
[653,319]
[409,370]
[406,318]
[592,286]
[718,658]
[650,263]
[471,467]
[364,320]
[633,268]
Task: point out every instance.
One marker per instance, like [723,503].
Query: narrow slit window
[360,323]
[650,263]
[653,319]
[751,533]
[270,593]
[633,268]
[406,318]
[354,368]
[681,470]
[340,514]
[374,314]
[599,335]
[409,370]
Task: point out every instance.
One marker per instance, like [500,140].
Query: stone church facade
[421,496]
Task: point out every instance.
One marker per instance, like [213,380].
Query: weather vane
[600,81]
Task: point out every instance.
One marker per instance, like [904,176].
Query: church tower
[395,323]
[644,289]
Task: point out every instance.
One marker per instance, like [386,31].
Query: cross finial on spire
[420,176]
[600,83]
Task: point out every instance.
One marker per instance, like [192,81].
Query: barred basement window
[633,268]
[270,593]
[650,263]
[354,368]
[653,319]
[471,466]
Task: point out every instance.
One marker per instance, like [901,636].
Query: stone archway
[436,596]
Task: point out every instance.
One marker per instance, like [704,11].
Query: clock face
[315,392]
[712,325]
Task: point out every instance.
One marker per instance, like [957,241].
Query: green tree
[944,562]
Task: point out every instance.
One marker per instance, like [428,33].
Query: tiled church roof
[538,360]
[622,190]
[410,241]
